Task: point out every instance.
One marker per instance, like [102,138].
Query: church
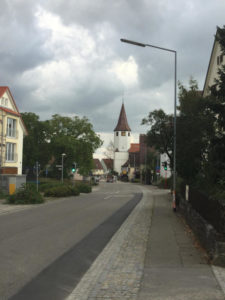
[131,158]
[122,141]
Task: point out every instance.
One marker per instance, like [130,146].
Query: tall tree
[48,140]
[160,134]
[194,128]
[76,138]
[36,146]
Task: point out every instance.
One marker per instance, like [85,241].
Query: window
[10,152]
[117,133]
[123,133]
[128,133]
[11,127]
[4,101]
[219,59]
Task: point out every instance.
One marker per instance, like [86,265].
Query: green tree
[48,140]
[160,135]
[76,138]
[194,129]
[36,146]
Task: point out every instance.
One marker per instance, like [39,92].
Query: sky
[66,57]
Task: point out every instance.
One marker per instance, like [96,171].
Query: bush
[62,191]
[25,195]
[48,185]
[84,188]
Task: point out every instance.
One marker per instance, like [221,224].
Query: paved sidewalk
[151,257]
[174,268]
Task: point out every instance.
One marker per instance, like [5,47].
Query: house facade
[216,60]
[12,131]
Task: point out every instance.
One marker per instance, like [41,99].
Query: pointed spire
[122,124]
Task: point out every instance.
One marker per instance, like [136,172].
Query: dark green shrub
[48,185]
[84,188]
[25,195]
[62,191]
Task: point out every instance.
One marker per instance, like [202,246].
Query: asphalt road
[45,250]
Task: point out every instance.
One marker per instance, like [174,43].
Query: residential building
[12,131]
[97,168]
[134,161]
[216,60]
[107,164]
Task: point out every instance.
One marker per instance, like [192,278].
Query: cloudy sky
[65,56]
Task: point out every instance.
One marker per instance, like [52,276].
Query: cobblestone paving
[117,272]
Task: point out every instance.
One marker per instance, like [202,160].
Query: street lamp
[175,108]
[63,154]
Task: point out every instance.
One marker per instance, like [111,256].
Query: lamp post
[63,154]
[175,107]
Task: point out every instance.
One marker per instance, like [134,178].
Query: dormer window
[123,133]
[4,101]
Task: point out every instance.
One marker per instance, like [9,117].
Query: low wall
[211,240]
[6,180]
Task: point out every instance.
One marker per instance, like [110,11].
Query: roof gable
[212,66]
[12,108]
[122,124]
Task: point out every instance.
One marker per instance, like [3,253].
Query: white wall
[213,68]
[119,159]
[122,143]
[164,157]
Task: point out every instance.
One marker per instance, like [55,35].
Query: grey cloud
[186,26]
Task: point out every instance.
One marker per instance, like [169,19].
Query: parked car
[109,178]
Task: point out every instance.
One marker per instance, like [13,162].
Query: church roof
[122,124]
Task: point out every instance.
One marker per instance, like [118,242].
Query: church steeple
[122,124]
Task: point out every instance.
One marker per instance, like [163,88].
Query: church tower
[122,141]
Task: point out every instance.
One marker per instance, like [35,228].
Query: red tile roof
[108,162]
[122,124]
[97,164]
[10,111]
[134,148]
[3,89]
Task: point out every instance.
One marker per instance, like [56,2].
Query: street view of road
[47,248]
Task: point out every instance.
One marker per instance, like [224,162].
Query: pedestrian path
[151,257]
[174,268]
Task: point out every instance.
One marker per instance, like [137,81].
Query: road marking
[107,197]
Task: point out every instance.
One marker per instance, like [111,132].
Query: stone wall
[211,240]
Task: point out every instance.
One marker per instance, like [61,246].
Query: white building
[215,62]
[122,141]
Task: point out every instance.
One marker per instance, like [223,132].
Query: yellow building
[12,131]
